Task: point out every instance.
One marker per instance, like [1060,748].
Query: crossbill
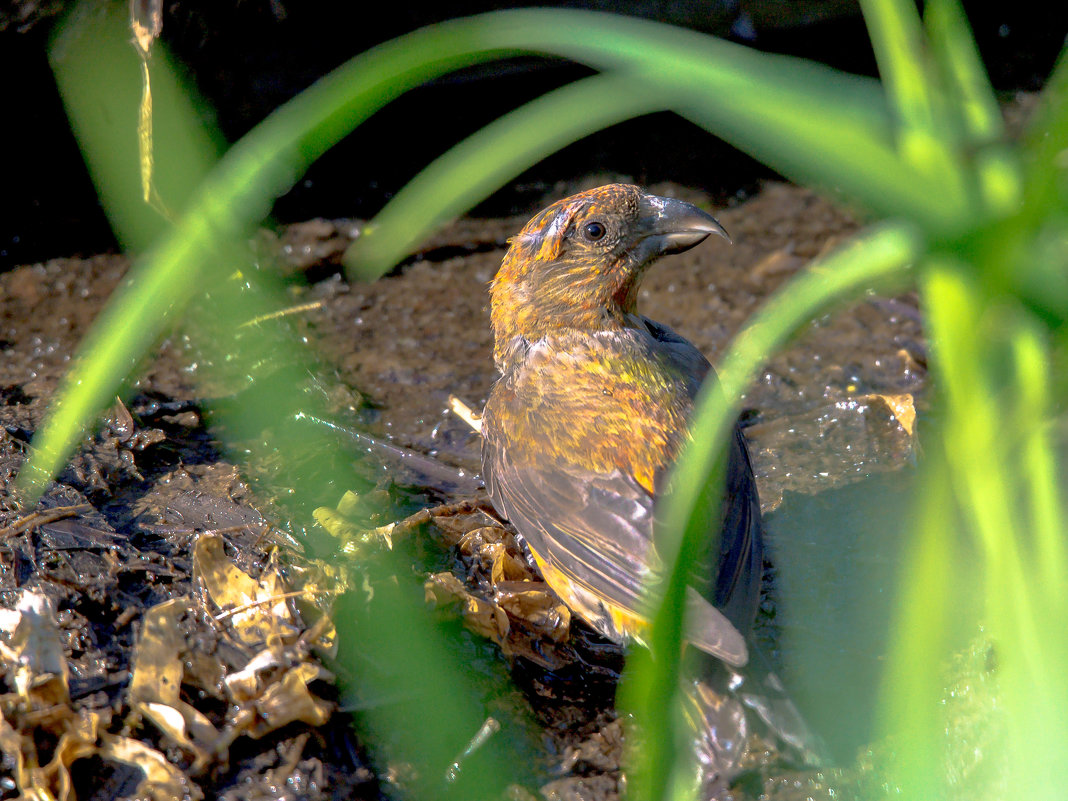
[591,410]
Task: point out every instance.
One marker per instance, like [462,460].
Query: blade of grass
[475,168]
[470,171]
[909,710]
[883,254]
[1045,143]
[971,98]
[391,649]
[99,76]
[961,324]
[1040,461]
[846,118]
[924,132]
[981,449]
[968,87]
[810,122]
[1036,245]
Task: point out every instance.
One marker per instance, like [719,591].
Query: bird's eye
[594,231]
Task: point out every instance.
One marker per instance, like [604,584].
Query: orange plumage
[592,409]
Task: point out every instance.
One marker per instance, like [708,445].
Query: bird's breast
[597,402]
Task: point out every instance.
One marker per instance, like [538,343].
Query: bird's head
[578,263]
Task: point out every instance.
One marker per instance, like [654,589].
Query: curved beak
[668,225]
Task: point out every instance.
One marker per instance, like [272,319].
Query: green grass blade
[959,339]
[810,122]
[980,441]
[874,258]
[909,711]
[99,79]
[1036,247]
[970,97]
[782,111]
[882,254]
[924,135]
[389,646]
[1040,460]
[484,162]
[1046,141]
[968,86]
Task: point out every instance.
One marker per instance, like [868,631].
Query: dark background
[249,56]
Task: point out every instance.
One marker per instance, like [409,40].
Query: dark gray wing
[591,536]
[735,585]
[741,547]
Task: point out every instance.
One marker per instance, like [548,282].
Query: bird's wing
[591,537]
[735,585]
[736,589]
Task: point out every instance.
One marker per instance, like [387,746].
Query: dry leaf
[479,615]
[259,612]
[157,680]
[163,781]
[903,408]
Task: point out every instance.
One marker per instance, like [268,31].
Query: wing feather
[591,536]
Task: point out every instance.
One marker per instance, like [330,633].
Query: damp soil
[121,523]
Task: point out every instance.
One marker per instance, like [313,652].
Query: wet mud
[131,514]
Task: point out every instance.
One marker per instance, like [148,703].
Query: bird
[591,409]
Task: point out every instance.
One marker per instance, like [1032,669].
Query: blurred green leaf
[911,701]
[924,130]
[976,340]
[900,49]
[810,122]
[967,85]
[1045,145]
[1040,458]
[99,78]
[971,99]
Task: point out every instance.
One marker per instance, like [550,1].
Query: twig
[34,519]
[303,307]
[431,469]
[465,413]
[273,599]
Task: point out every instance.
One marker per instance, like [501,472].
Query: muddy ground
[834,408]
